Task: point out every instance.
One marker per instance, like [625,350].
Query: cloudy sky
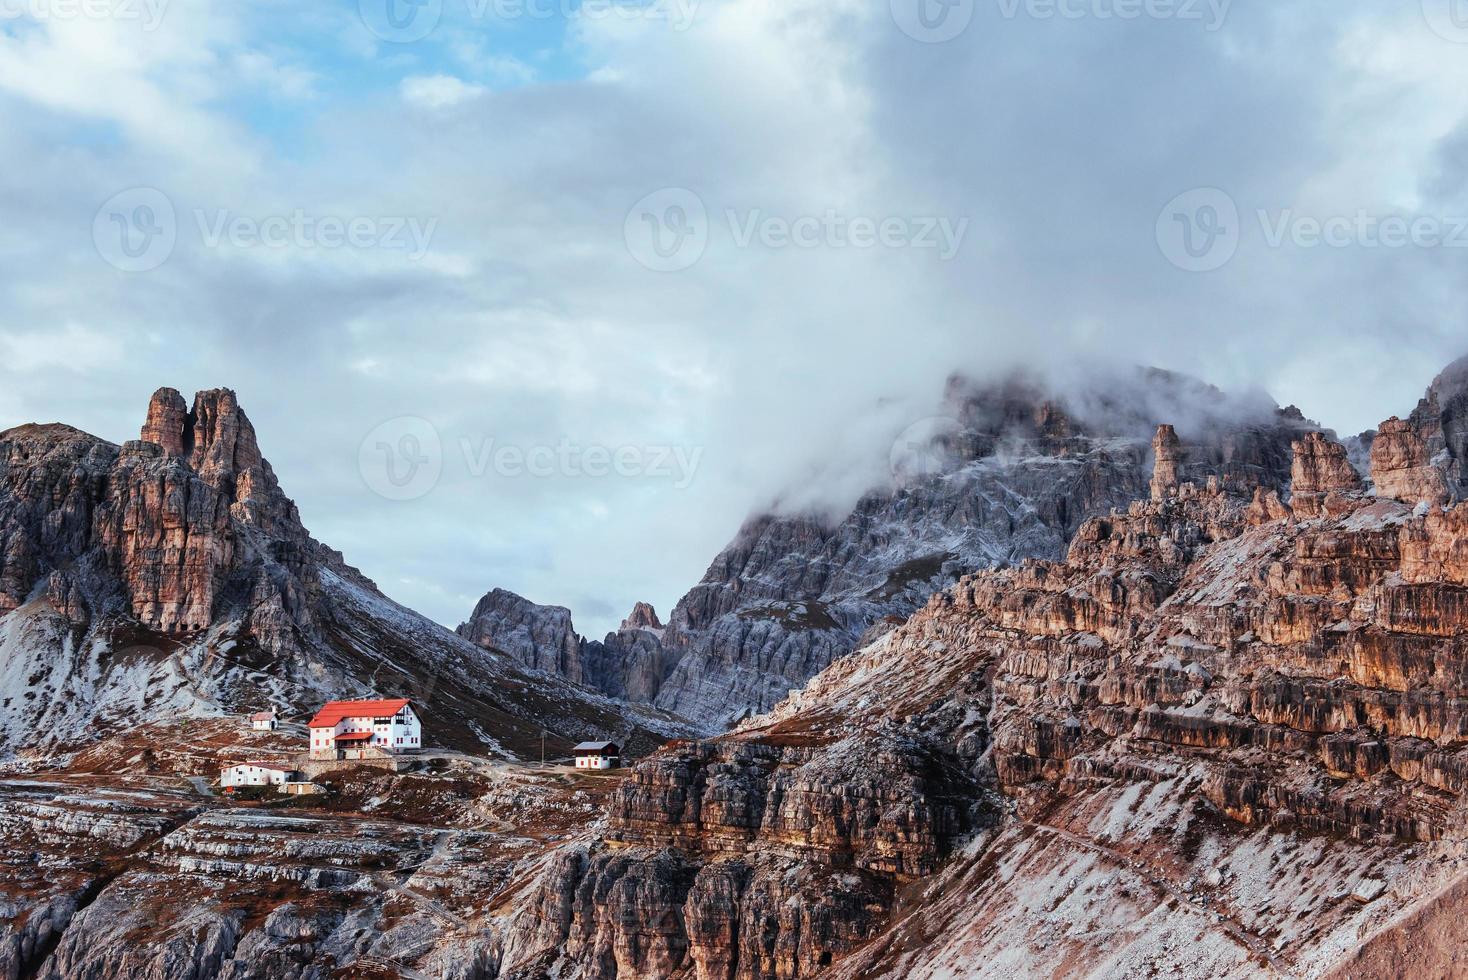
[532,294]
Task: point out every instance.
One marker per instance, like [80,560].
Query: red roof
[354,736]
[262,716]
[277,766]
[334,711]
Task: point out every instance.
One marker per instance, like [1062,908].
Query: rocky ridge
[1014,470]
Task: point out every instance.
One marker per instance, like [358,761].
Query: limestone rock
[643,617]
[167,422]
[1321,469]
[1402,467]
[1167,456]
[540,637]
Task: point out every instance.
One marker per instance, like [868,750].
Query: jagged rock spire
[1169,454]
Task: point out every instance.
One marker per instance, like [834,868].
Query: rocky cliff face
[629,664]
[1221,737]
[1010,475]
[172,576]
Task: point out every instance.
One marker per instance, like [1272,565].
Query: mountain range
[1126,678]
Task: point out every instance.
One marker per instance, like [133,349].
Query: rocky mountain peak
[643,617]
[167,423]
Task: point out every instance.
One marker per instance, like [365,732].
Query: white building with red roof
[365,729]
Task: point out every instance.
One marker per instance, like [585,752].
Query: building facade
[365,729]
[263,721]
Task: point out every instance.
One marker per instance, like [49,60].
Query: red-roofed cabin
[365,729]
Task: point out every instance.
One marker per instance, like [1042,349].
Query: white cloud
[438,91]
[530,321]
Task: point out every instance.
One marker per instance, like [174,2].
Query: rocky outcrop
[747,860]
[629,664]
[1321,474]
[540,637]
[1402,466]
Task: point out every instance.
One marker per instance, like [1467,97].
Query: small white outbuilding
[254,774]
[263,721]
